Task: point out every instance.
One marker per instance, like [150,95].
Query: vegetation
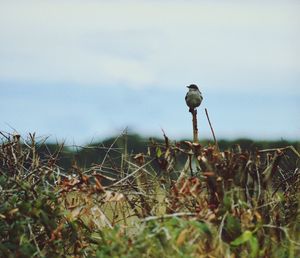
[164,199]
[88,155]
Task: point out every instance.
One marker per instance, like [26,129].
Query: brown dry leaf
[189,144]
[197,147]
[71,182]
[56,233]
[185,188]
[219,179]
[139,158]
[13,211]
[208,173]
[258,216]
[182,236]
[99,218]
[196,144]
[167,153]
[75,212]
[113,196]
[196,189]
[246,218]
[99,187]
[211,217]
[85,179]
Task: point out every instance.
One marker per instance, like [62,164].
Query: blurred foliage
[90,154]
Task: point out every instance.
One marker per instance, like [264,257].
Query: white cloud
[142,44]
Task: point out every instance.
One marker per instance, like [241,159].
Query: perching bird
[194,97]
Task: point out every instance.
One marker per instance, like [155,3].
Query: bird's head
[193,87]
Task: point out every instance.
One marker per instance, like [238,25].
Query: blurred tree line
[94,153]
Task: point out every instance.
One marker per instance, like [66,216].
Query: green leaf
[3,181]
[158,152]
[254,246]
[246,236]
[203,227]
[232,229]
[227,200]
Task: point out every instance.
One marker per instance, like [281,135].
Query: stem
[195,127]
[212,130]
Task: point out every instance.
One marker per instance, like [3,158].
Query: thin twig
[167,216]
[130,175]
[212,130]
[6,137]
[34,240]
[259,185]
[147,172]
[285,232]
[282,149]
[110,147]
[222,225]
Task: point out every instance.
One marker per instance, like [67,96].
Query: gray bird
[194,97]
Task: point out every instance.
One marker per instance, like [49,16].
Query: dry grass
[214,204]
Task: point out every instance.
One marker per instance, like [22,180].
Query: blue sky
[83,70]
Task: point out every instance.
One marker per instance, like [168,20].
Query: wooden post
[195,127]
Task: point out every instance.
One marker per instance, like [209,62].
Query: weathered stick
[195,127]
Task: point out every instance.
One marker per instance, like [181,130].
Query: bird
[193,97]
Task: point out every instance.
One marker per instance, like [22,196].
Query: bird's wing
[201,97]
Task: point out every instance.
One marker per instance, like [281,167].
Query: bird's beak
[188,86]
